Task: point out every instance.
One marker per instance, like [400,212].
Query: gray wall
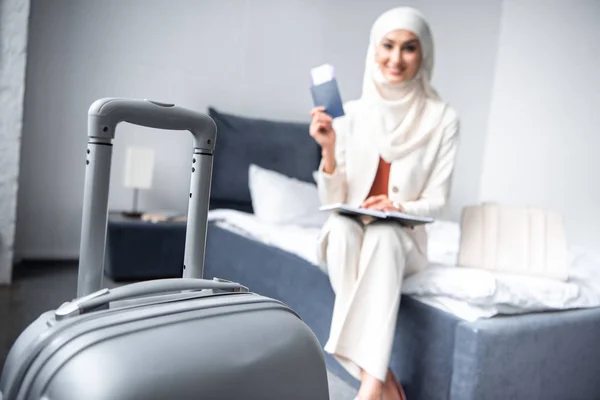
[13,50]
[241,56]
[544,136]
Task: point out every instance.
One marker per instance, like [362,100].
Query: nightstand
[140,250]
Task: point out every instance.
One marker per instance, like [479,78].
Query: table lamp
[139,168]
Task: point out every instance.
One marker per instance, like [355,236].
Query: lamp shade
[139,167]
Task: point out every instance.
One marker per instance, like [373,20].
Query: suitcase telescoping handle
[103,117]
[160,286]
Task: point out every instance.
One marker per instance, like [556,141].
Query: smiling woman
[393,150]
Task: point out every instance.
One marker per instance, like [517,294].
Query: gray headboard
[285,147]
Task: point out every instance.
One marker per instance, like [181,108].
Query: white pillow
[283,200]
[484,288]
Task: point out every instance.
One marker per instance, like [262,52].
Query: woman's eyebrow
[410,42]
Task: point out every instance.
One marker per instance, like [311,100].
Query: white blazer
[420,182]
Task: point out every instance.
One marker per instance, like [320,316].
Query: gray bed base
[553,355]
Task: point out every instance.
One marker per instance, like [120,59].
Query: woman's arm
[332,183]
[434,198]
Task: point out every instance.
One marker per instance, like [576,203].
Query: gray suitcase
[187,338]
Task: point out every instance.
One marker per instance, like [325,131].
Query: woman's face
[398,55]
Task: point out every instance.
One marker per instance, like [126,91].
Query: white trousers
[366,267]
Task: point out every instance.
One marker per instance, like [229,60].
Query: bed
[461,334]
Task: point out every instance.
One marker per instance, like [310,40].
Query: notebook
[325,91]
[401,217]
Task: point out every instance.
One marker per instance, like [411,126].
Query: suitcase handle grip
[103,117]
[159,286]
[104,114]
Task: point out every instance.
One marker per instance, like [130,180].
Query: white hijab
[401,116]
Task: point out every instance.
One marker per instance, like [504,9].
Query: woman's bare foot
[392,390]
[371,388]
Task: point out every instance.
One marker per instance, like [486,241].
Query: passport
[325,91]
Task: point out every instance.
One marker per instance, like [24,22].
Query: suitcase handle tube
[160,286]
[103,117]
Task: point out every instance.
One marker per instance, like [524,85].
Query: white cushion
[514,239]
[280,199]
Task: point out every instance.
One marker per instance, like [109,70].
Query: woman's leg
[342,255]
[368,324]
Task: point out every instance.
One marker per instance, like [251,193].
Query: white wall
[544,138]
[242,56]
[13,45]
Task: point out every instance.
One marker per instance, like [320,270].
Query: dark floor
[37,287]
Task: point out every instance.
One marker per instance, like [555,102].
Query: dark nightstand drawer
[140,250]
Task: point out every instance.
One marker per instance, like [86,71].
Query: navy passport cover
[327,95]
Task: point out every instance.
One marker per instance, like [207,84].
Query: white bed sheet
[469,294]
[297,240]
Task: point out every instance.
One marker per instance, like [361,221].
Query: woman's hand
[321,129]
[381,203]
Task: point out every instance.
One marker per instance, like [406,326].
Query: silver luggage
[179,339]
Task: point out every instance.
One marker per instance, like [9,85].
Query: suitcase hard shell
[187,338]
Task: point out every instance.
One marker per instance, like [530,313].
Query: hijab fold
[400,116]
